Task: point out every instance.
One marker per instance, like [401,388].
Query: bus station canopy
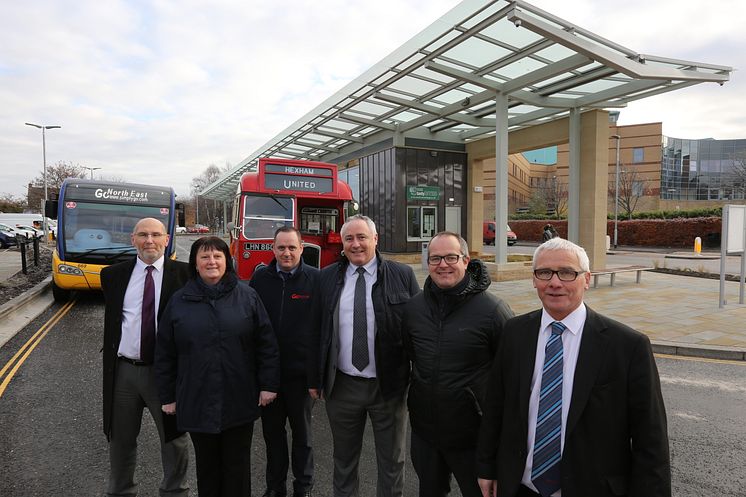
[442,85]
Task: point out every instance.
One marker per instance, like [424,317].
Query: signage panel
[310,171]
[423,193]
[298,183]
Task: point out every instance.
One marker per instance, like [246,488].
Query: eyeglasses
[154,236]
[434,260]
[562,274]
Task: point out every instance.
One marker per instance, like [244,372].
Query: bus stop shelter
[499,77]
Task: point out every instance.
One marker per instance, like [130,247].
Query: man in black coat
[451,332]
[574,402]
[360,367]
[129,382]
[288,289]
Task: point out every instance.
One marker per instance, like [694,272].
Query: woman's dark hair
[210,243]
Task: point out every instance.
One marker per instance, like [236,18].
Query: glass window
[638,155]
[105,229]
[318,220]
[263,214]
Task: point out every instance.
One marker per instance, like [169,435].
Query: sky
[155,91]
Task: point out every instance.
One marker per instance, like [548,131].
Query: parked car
[7,240]
[33,232]
[198,228]
[488,233]
[180,229]
[13,231]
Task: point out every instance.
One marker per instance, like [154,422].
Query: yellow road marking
[701,359]
[30,345]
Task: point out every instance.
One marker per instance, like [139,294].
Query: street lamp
[616,190]
[43,129]
[91,169]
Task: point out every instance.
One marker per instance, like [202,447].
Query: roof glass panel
[416,86]
[403,117]
[519,68]
[506,32]
[451,96]
[555,52]
[476,52]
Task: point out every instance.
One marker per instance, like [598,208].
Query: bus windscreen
[101,231]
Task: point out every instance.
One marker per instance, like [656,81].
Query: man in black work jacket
[287,289]
[451,332]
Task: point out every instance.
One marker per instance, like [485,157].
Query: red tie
[147,327]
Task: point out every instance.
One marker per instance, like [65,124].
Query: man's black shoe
[273,493]
[304,493]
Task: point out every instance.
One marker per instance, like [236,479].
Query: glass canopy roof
[441,85]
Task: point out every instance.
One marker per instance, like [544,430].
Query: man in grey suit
[133,290]
[361,368]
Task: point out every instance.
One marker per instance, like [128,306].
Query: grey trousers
[135,389]
[352,400]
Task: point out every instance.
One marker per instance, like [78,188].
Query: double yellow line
[20,357]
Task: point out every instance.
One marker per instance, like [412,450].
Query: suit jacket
[114,281]
[616,440]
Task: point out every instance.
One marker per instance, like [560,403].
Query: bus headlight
[65,269]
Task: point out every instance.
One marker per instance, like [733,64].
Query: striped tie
[545,470]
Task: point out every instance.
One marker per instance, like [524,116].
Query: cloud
[155,91]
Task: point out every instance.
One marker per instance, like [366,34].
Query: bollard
[22,246]
[698,246]
[36,251]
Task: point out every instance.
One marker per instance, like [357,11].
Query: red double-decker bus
[282,192]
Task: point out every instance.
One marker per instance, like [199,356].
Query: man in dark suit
[574,402]
[361,368]
[136,292]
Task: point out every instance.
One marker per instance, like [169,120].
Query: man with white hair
[574,405]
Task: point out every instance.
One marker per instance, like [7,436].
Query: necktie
[285,275]
[360,356]
[545,471]
[147,327]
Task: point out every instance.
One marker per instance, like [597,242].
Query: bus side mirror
[233,230]
[50,209]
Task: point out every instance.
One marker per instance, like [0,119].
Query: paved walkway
[680,314]
[10,263]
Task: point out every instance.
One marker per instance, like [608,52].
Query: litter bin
[424,255]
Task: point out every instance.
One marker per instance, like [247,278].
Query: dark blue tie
[360,356]
[545,470]
[147,326]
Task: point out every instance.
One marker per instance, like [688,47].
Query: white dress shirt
[346,312]
[571,337]
[129,345]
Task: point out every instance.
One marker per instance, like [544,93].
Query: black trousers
[434,467]
[224,462]
[293,404]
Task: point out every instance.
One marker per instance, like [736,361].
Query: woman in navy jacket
[216,363]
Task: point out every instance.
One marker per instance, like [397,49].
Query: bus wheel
[60,295]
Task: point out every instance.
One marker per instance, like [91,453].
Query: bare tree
[209,211]
[11,203]
[549,197]
[631,188]
[59,172]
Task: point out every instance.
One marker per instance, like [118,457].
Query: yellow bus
[94,222]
